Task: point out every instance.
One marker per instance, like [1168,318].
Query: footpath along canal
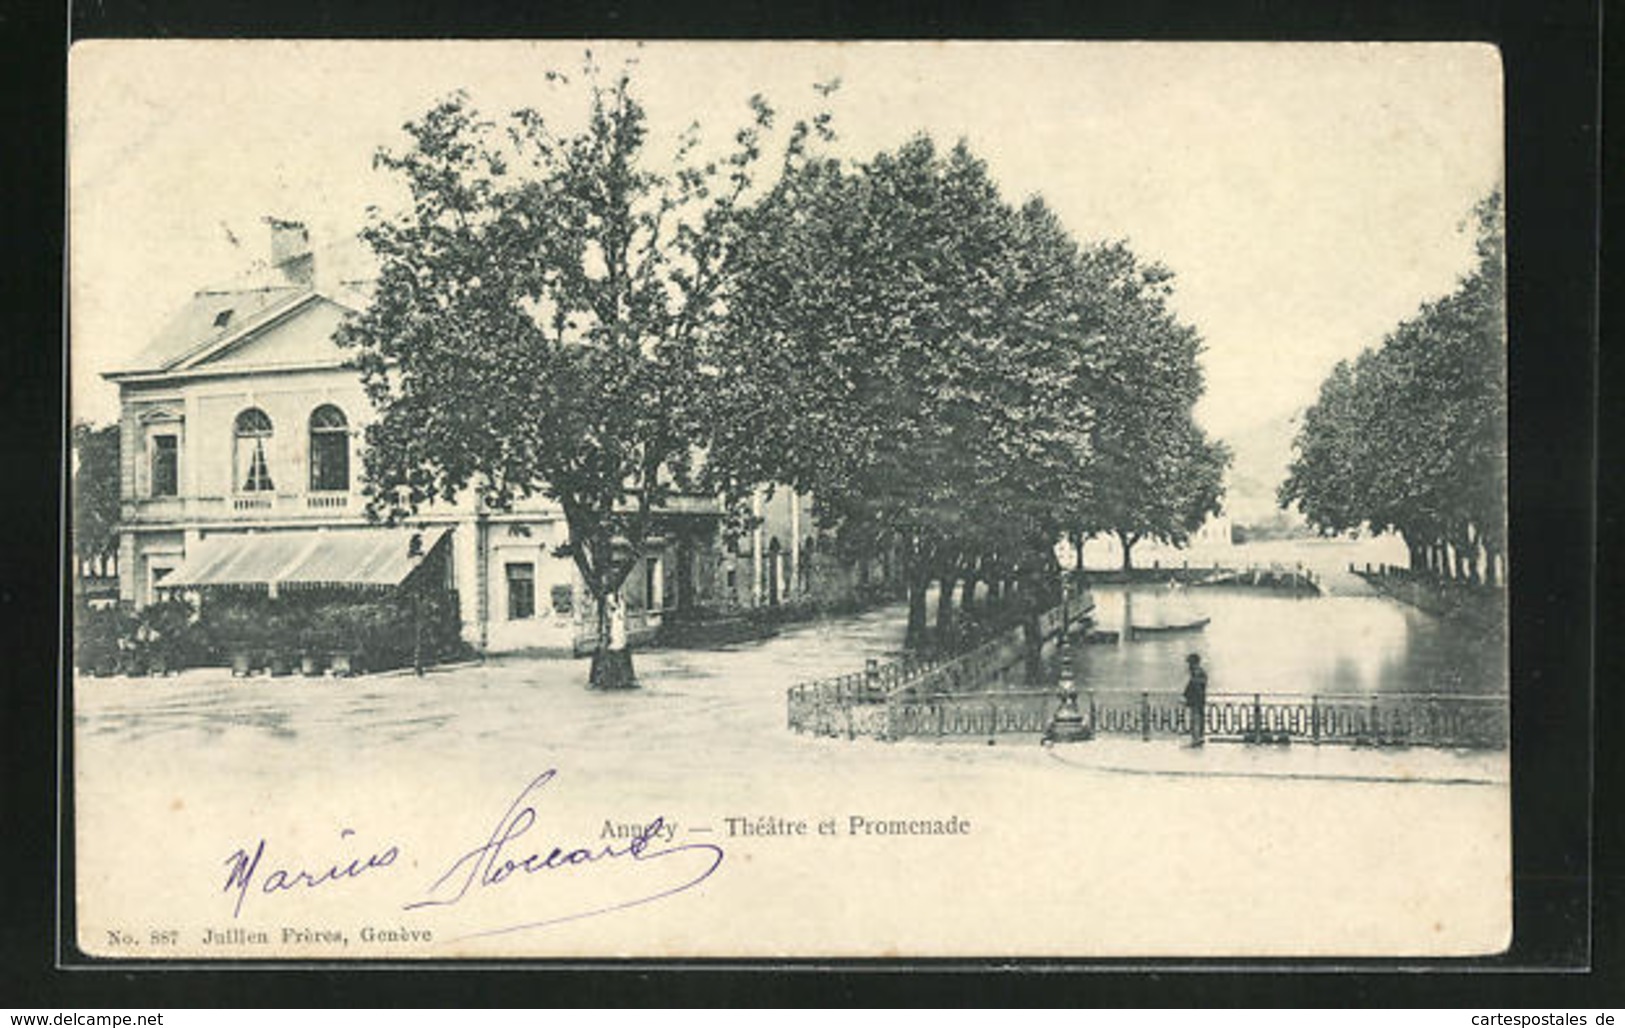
[727,706]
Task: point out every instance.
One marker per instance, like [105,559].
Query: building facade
[241,431]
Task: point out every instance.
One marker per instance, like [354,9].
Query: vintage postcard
[787,500]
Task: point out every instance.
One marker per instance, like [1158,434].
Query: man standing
[1196,698]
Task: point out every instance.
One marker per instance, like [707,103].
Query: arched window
[329,450]
[253,468]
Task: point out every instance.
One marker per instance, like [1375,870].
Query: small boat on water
[1141,631]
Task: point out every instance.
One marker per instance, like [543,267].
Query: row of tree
[1410,437]
[953,378]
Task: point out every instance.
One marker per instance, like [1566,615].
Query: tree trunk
[1033,637]
[945,611]
[1128,550]
[914,636]
[967,594]
[612,657]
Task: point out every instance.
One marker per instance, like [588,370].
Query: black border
[1551,58]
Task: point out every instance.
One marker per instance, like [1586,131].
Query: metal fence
[1393,719]
[837,706]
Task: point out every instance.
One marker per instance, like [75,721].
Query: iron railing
[824,707]
[1388,719]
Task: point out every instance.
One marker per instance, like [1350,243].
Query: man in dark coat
[1196,698]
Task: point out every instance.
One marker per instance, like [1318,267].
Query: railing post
[1145,717]
[1258,719]
[1314,718]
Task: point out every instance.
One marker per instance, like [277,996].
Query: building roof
[209,318]
[374,556]
[220,318]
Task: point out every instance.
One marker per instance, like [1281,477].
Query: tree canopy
[536,322]
[953,376]
[1410,436]
[95,491]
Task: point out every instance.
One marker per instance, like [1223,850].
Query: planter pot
[310,665]
[281,665]
[343,664]
[242,664]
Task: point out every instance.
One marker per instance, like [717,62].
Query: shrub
[169,635]
[97,634]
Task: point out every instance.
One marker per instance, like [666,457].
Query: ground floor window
[521,591]
[155,578]
[652,584]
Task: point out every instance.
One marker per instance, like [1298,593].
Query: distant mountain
[1262,453]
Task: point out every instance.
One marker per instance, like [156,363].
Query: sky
[1308,197]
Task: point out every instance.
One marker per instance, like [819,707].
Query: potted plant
[239,633]
[340,637]
[279,644]
[312,649]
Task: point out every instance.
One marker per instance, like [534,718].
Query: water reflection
[1259,641]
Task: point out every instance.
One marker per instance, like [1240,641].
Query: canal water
[1350,641]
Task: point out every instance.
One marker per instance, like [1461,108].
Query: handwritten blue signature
[494,862]
[498,860]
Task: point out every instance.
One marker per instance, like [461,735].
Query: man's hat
[1193,659]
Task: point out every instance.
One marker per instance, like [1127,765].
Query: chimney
[290,251]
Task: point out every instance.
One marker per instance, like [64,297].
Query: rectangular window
[521,591]
[166,477]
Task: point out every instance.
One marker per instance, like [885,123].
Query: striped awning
[376,557]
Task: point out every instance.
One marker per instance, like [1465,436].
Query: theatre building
[241,431]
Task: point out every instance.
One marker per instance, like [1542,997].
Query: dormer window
[329,450]
[223,318]
[253,469]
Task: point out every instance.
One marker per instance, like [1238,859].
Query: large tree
[95,492]
[537,322]
[1410,436]
[1153,473]
[894,347]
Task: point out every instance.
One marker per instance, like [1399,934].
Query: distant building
[1217,530]
[241,431]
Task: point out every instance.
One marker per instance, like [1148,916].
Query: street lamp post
[1066,724]
[414,553]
